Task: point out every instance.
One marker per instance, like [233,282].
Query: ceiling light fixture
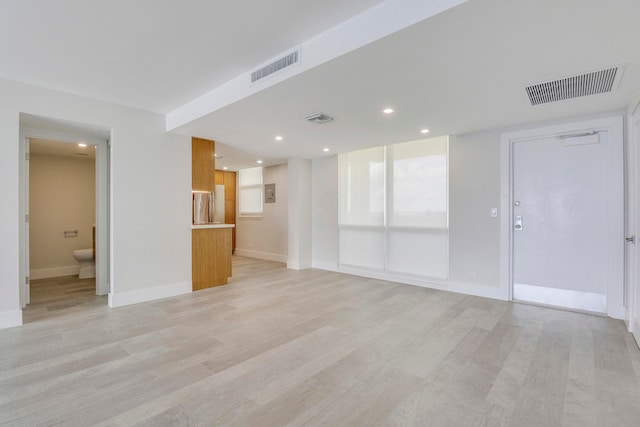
[388,110]
[225,168]
[424,131]
[259,162]
[82,145]
[279,138]
[325,150]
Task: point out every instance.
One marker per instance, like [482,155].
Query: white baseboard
[46,273]
[148,294]
[268,256]
[460,288]
[329,266]
[294,265]
[9,319]
[636,331]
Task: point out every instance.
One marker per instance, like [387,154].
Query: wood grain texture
[203,164]
[211,257]
[278,347]
[228,179]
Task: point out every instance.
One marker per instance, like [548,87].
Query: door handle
[631,239]
[517,223]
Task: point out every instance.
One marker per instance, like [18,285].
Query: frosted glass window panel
[251,176]
[250,191]
[361,187]
[362,247]
[418,188]
[418,252]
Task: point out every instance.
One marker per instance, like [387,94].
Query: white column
[299,229]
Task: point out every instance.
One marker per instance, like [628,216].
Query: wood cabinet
[228,179]
[210,245]
[211,257]
[203,164]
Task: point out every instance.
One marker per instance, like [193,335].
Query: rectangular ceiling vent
[275,66]
[319,118]
[602,81]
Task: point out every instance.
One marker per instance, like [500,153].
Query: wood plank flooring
[278,347]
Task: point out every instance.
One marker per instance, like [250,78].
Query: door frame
[614,126]
[102,164]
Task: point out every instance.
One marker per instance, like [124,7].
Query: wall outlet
[472,274]
[494,212]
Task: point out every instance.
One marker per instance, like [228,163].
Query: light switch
[494,212]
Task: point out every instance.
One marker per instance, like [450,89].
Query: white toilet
[87,264]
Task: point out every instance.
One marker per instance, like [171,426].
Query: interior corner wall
[62,197]
[150,195]
[265,237]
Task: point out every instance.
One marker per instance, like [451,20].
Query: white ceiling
[460,71]
[61,149]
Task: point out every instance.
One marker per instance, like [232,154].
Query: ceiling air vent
[602,81]
[319,118]
[275,66]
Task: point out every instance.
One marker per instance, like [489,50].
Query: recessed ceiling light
[278,138]
[325,150]
[225,168]
[388,110]
[259,162]
[82,145]
[424,131]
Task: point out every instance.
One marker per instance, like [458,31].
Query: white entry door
[567,223]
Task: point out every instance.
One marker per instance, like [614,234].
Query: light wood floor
[278,347]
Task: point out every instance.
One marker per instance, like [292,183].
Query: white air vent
[319,118]
[602,81]
[275,66]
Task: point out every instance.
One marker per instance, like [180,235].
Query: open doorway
[65,250]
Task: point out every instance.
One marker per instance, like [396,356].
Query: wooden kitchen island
[210,255]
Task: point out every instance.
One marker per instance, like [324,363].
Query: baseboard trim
[328,266]
[294,265]
[268,256]
[636,331]
[46,273]
[148,294]
[9,319]
[457,287]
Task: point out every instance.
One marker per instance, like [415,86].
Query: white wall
[265,237]
[299,219]
[150,191]
[633,258]
[324,213]
[474,188]
[61,197]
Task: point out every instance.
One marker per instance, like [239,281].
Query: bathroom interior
[62,218]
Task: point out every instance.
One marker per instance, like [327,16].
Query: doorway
[566,221]
[68,136]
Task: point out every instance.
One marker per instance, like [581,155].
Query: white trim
[636,331]
[46,273]
[149,294]
[614,126]
[9,319]
[328,266]
[268,256]
[296,265]
[450,286]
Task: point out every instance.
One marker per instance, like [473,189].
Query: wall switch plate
[494,212]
